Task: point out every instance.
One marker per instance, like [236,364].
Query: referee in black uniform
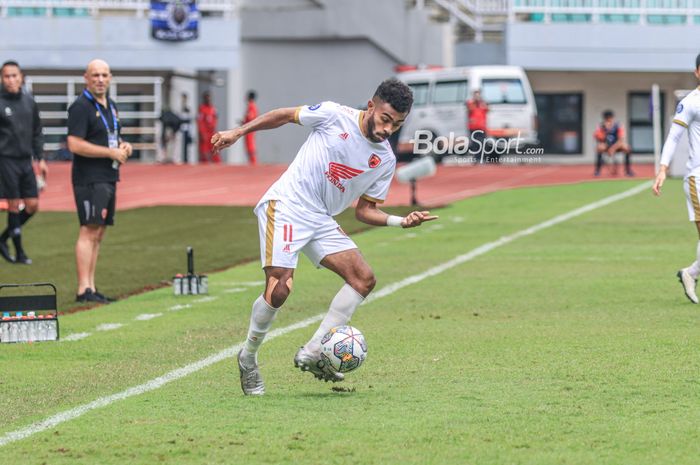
[94,138]
[20,141]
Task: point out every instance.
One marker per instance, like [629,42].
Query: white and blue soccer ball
[344,348]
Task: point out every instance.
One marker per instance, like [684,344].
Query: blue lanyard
[115,124]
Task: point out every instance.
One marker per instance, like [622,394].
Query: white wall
[124,42]
[603,91]
[286,74]
[602,47]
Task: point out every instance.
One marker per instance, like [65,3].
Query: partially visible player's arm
[270,120]
[367,212]
[674,135]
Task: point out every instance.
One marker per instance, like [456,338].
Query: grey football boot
[251,379]
[314,363]
[688,283]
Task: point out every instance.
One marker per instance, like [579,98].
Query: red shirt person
[207,119]
[477,110]
[250,114]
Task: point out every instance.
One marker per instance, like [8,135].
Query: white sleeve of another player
[685,112]
[674,135]
[321,114]
[378,191]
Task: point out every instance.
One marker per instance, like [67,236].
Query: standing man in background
[477,110]
[207,120]
[250,114]
[94,139]
[21,140]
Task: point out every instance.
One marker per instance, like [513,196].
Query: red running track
[149,185]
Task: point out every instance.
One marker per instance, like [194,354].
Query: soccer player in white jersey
[687,118]
[347,157]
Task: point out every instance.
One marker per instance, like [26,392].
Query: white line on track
[231,352]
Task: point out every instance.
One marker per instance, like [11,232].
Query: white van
[439,103]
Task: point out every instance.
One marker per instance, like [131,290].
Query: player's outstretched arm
[368,213]
[659,181]
[674,135]
[270,120]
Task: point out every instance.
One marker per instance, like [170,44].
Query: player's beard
[370,130]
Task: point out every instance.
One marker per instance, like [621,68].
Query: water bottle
[52,331]
[14,331]
[31,330]
[23,331]
[177,284]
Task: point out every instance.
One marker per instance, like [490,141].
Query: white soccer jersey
[688,116]
[336,165]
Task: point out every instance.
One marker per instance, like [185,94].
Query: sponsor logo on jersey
[286,249]
[8,111]
[338,171]
[314,107]
[344,136]
[679,108]
[374,160]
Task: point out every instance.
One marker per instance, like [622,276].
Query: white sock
[342,307]
[261,319]
[694,269]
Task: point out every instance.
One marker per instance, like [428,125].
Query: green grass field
[145,248]
[573,345]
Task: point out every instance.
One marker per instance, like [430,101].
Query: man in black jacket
[21,140]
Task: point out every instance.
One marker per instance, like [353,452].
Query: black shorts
[96,203]
[17,178]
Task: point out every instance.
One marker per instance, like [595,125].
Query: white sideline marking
[109,326]
[231,352]
[176,308]
[205,299]
[234,290]
[147,316]
[391,288]
[243,283]
[75,337]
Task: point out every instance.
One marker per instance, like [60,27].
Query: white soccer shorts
[285,232]
[690,186]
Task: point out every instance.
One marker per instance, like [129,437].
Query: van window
[503,91]
[420,93]
[450,92]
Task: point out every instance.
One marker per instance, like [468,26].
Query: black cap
[608,114]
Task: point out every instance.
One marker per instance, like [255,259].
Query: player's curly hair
[395,93]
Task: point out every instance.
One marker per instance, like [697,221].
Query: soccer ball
[344,348]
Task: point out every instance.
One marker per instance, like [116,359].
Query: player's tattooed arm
[270,120]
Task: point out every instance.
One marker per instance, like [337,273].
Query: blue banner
[174,20]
